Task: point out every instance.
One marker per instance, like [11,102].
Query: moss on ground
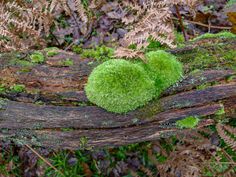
[17,88]
[100,53]
[37,57]
[67,62]
[51,51]
[222,35]
[221,55]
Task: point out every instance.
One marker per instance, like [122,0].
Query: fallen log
[53,110]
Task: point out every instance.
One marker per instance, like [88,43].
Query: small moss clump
[18,88]
[51,51]
[163,68]
[119,86]
[2,88]
[37,57]
[100,53]
[188,122]
[77,49]
[67,62]
[221,111]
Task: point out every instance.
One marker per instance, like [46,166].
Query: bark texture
[53,111]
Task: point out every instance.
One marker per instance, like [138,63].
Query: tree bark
[54,112]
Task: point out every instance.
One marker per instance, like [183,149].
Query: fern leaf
[225,132]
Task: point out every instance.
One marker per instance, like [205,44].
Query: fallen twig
[45,160]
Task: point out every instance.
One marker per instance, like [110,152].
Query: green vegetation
[2,88]
[77,49]
[119,86]
[207,57]
[100,53]
[163,68]
[37,57]
[23,63]
[220,111]
[9,163]
[18,88]
[223,34]
[179,38]
[51,51]
[154,45]
[188,122]
[67,62]
[60,161]
[230,3]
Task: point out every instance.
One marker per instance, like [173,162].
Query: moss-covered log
[45,105]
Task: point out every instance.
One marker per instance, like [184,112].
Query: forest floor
[169,155]
[188,153]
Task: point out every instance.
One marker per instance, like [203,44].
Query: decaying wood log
[53,111]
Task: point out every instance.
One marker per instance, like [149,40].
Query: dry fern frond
[21,25]
[225,132]
[151,18]
[147,171]
[188,157]
[60,4]
[155,22]
[193,155]
[190,3]
[122,52]
[81,11]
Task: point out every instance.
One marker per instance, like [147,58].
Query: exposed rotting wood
[96,137]
[45,122]
[28,116]
[67,120]
[69,94]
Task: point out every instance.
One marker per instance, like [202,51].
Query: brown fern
[147,171]
[226,132]
[122,52]
[195,153]
[151,19]
[21,25]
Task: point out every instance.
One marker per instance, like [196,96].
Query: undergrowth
[195,152]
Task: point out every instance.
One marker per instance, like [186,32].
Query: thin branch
[205,25]
[46,161]
[181,22]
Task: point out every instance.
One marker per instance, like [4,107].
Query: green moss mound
[119,86]
[163,68]
[37,57]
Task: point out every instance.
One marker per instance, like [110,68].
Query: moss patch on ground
[221,55]
[222,35]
